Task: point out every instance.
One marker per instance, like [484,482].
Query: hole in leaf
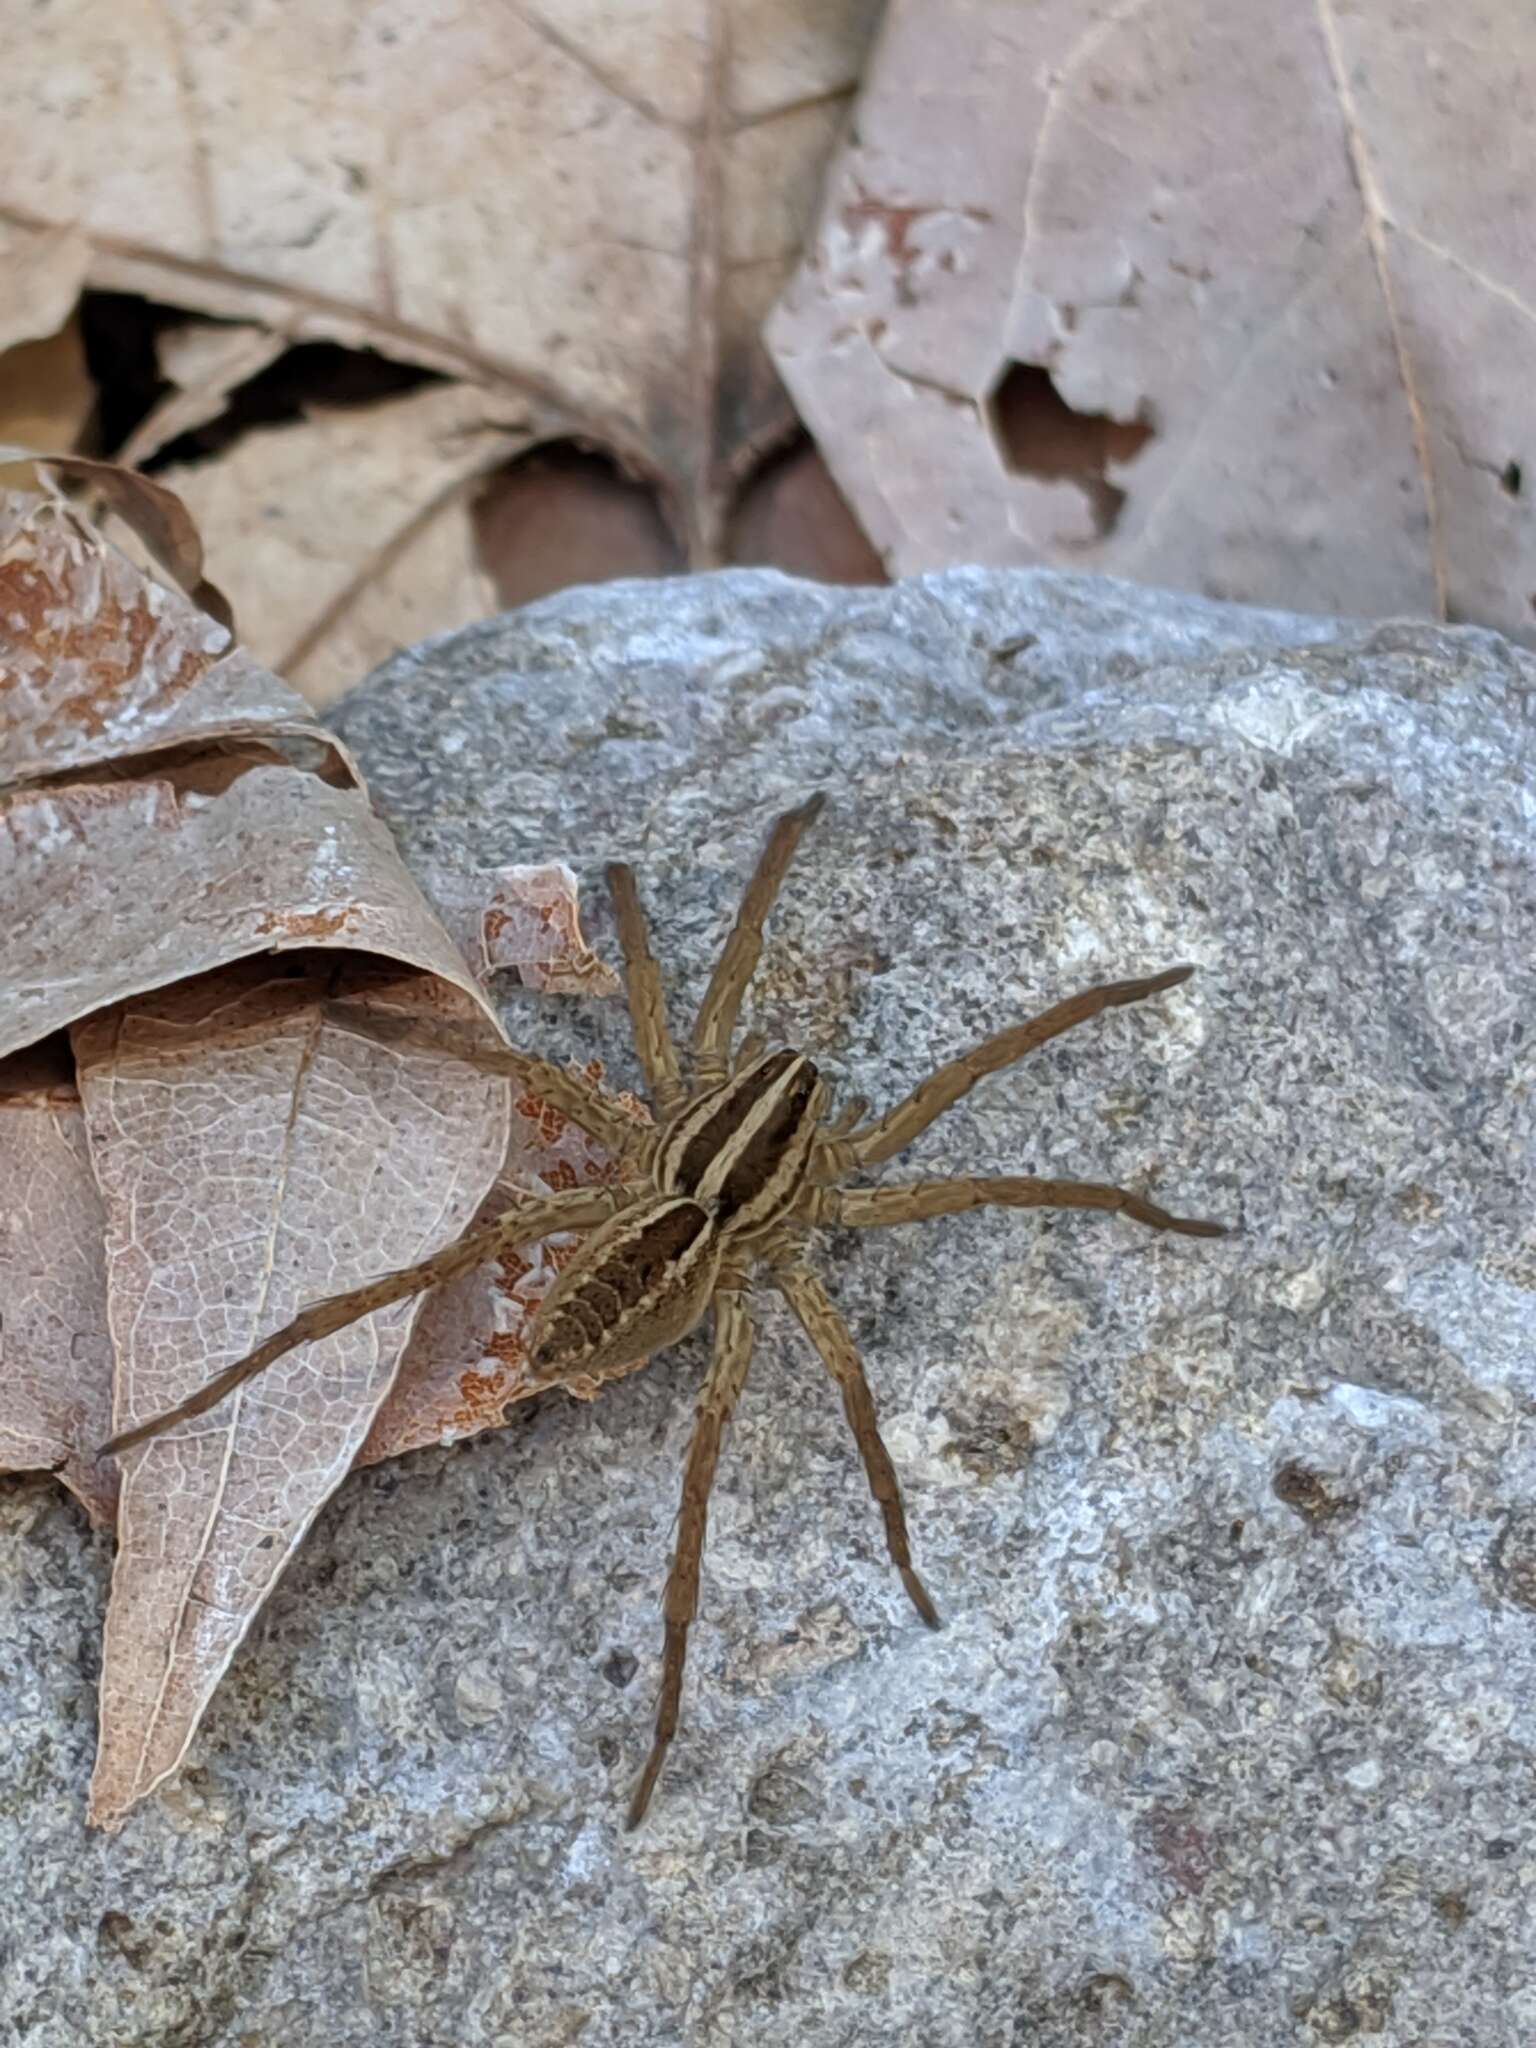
[121,334]
[1038,434]
[1512,478]
[566,513]
[792,516]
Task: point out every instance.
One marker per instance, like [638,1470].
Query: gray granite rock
[1229,1738]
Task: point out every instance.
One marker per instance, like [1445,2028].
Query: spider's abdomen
[743,1148]
[641,1281]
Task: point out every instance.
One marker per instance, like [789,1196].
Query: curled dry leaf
[525,919]
[99,664]
[1249,247]
[170,819]
[150,509]
[187,867]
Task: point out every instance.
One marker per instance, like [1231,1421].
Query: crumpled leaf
[1257,235]
[97,663]
[251,1153]
[55,1353]
[126,886]
[523,918]
[167,811]
[583,212]
[150,509]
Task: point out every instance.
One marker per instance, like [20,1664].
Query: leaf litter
[574,216]
[224,1091]
[1272,264]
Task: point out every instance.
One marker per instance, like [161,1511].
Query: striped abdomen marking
[743,1148]
[641,1281]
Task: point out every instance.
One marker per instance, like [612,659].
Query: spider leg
[742,949]
[751,1048]
[848,1118]
[528,1221]
[942,1090]
[642,980]
[722,1387]
[572,1094]
[911,1201]
[826,1329]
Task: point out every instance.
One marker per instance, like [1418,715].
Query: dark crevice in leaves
[120,333]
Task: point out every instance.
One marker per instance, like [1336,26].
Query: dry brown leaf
[124,886]
[1262,233]
[793,517]
[96,662]
[55,1352]
[466,1361]
[563,515]
[582,209]
[349,534]
[251,1153]
[114,886]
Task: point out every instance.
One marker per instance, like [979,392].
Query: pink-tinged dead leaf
[563,514]
[55,1352]
[253,1154]
[793,517]
[1247,257]
[98,662]
[467,1360]
[525,919]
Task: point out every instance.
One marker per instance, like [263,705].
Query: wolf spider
[737,1171]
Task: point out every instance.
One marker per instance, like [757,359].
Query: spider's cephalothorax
[733,1178]
[744,1148]
[727,1169]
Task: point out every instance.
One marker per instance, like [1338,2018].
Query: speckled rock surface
[1229,1738]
